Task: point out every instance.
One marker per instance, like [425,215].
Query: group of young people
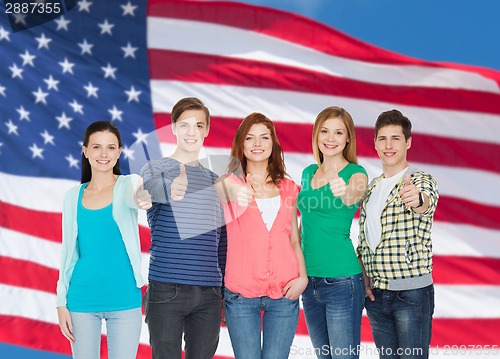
[232,247]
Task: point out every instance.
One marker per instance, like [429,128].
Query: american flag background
[129,61]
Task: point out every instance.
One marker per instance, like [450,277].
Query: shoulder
[289,185]
[71,195]
[309,170]
[353,168]
[165,163]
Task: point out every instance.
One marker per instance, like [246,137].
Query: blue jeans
[174,309]
[279,323]
[333,309]
[401,322]
[123,329]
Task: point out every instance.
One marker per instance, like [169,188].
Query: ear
[208,130]
[120,151]
[84,151]
[408,143]
[173,129]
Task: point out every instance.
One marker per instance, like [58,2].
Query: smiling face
[102,151]
[190,130]
[332,137]
[258,144]
[391,147]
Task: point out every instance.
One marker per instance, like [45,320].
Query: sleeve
[426,184]
[63,282]
[130,186]
[156,181]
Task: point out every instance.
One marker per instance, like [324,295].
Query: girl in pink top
[265,268]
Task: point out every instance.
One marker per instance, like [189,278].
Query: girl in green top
[330,194]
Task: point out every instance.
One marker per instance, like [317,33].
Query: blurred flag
[129,63]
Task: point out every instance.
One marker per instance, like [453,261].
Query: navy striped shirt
[188,237]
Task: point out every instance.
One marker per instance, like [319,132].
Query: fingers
[409,194]
[179,185]
[369,294]
[142,196]
[245,194]
[65,323]
[337,184]
[407,180]
[182,168]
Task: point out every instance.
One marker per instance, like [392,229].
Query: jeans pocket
[231,297]
[161,293]
[412,296]
[217,292]
[337,281]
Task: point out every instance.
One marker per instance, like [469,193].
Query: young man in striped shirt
[395,245]
[188,243]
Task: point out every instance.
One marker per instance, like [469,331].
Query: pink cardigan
[260,262]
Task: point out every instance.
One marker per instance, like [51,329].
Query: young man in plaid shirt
[395,245]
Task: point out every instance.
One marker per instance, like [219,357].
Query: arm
[356,189]
[420,183]
[156,181]
[368,288]
[229,191]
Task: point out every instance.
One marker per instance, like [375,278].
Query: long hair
[349,151]
[276,162]
[98,126]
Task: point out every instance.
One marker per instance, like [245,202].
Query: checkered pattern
[405,250]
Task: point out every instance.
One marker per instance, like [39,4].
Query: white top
[375,206]
[268,208]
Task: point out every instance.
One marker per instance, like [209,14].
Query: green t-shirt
[326,227]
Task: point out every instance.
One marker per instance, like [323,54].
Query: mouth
[190,141]
[389,154]
[330,147]
[257,152]
[103,162]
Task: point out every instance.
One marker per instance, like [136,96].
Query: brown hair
[335,112]
[189,103]
[393,118]
[276,162]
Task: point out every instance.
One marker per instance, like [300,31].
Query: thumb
[335,172]
[248,181]
[407,180]
[182,169]
[139,184]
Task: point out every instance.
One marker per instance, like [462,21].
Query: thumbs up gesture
[179,185]
[337,184]
[244,196]
[142,197]
[409,193]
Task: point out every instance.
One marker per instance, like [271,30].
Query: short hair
[393,118]
[349,151]
[189,103]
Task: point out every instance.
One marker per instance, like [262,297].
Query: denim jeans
[401,322]
[243,319]
[123,329]
[333,309]
[174,309]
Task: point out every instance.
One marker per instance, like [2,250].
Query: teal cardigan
[125,215]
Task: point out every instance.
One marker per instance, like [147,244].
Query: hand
[337,184]
[142,197]
[409,194]
[368,289]
[65,323]
[294,288]
[223,314]
[179,185]
[244,196]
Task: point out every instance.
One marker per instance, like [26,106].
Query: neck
[100,180]
[185,157]
[329,163]
[258,170]
[393,170]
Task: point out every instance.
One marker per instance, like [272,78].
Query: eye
[265,137]
[324,131]
[249,138]
[340,133]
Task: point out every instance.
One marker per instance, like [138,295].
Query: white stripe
[205,38]
[299,107]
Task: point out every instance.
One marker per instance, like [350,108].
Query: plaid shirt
[405,250]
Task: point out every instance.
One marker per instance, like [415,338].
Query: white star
[76,107]
[86,47]
[2,90]
[128,153]
[115,114]
[84,5]
[37,152]
[27,58]
[91,90]
[129,51]
[16,71]
[63,121]
[20,19]
[4,34]
[73,162]
[67,66]
[40,96]
[109,71]
[133,95]
[1,144]
[106,27]
[51,83]
[47,138]
[43,41]
[23,114]
[62,23]
[12,127]
[141,137]
[128,9]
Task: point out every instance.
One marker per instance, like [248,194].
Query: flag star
[51,83]
[40,96]
[43,41]
[109,71]
[27,58]
[141,137]
[128,153]
[73,162]
[84,5]
[115,114]
[12,128]
[16,71]
[1,144]
[47,138]
[129,51]
[86,47]
[23,114]
[64,121]
[76,107]
[2,90]
[128,9]
[133,95]
[20,18]
[37,152]
[91,90]
[67,66]
[62,23]
[4,35]
[106,27]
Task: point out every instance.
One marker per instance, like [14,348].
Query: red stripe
[213,69]
[26,274]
